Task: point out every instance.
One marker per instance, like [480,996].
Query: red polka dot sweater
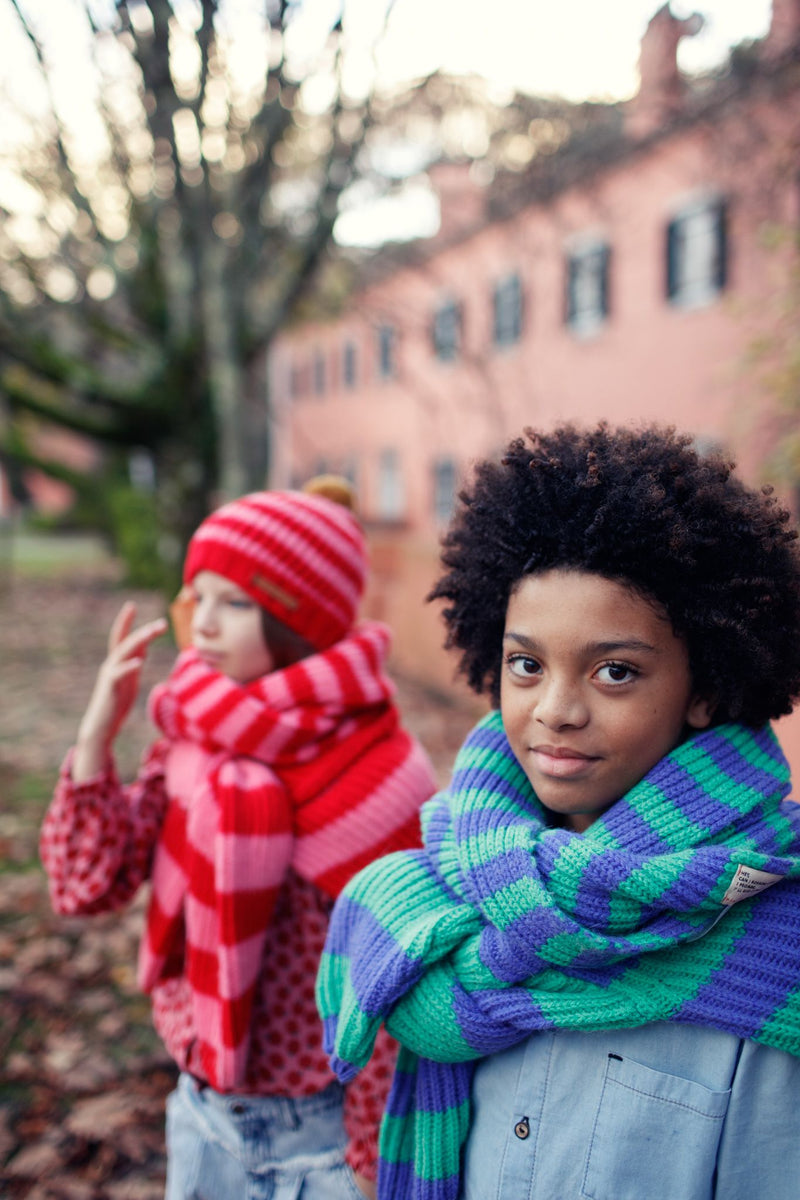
[248,817]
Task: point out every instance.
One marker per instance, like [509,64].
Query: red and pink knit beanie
[301,557]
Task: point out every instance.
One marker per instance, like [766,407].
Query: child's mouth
[210,658]
[561,762]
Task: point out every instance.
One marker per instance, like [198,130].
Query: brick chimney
[784,29]
[461,196]
[661,85]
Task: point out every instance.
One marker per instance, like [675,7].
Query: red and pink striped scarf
[306,768]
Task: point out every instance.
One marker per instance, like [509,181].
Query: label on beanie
[278,593]
[748,881]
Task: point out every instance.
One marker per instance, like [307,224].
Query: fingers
[121,625]
[129,656]
[122,670]
[137,642]
[125,645]
[117,680]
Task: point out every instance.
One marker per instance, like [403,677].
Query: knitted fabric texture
[306,767]
[301,557]
[502,926]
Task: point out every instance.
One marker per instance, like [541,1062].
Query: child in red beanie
[280,771]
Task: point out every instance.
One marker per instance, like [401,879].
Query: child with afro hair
[593,964]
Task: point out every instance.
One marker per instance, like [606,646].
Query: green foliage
[136,536]
[771,363]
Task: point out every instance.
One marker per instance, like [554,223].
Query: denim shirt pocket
[654,1134]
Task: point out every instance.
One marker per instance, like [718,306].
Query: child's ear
[180,612]
[700,712]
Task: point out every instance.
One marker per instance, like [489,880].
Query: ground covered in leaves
[83,1077]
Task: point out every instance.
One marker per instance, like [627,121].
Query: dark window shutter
[386,351]
[721,264]
[349,365]
[319,373]
[605,282]
[571,273]
[672,258]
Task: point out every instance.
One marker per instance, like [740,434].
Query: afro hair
[643,508]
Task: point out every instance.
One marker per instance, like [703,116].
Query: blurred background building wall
[640,274]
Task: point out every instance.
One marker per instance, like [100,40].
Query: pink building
[626,276]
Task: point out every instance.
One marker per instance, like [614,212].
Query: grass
[26,795]
[34,554]
[29,791]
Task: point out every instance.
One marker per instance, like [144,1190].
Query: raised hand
[114,692]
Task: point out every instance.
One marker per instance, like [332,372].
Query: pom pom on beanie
[300,555]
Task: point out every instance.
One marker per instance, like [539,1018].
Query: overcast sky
[576,48]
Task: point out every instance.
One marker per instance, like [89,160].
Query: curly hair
[645,509]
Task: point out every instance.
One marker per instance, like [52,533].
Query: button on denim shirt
[663,1112]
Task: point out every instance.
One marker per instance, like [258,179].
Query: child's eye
[616,672]
[523,666]
[241,602]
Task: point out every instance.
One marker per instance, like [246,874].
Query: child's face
[226,629]
[595,689]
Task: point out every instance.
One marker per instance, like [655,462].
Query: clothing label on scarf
[748,882]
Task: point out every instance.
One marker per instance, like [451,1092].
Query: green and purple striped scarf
[502,926]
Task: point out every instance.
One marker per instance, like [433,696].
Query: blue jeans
[237,1147]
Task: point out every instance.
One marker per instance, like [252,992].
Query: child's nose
[204,618]
[560,703]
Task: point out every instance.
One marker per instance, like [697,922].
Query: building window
[349,469]
[302,475]
[587,288]
[445,478]
[296,381]
[447,331]
[697,254]
[508,311]
[349,366]
[386,352]
[391,500]
[319,373]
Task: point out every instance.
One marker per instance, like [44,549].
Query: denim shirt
[663,1112]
